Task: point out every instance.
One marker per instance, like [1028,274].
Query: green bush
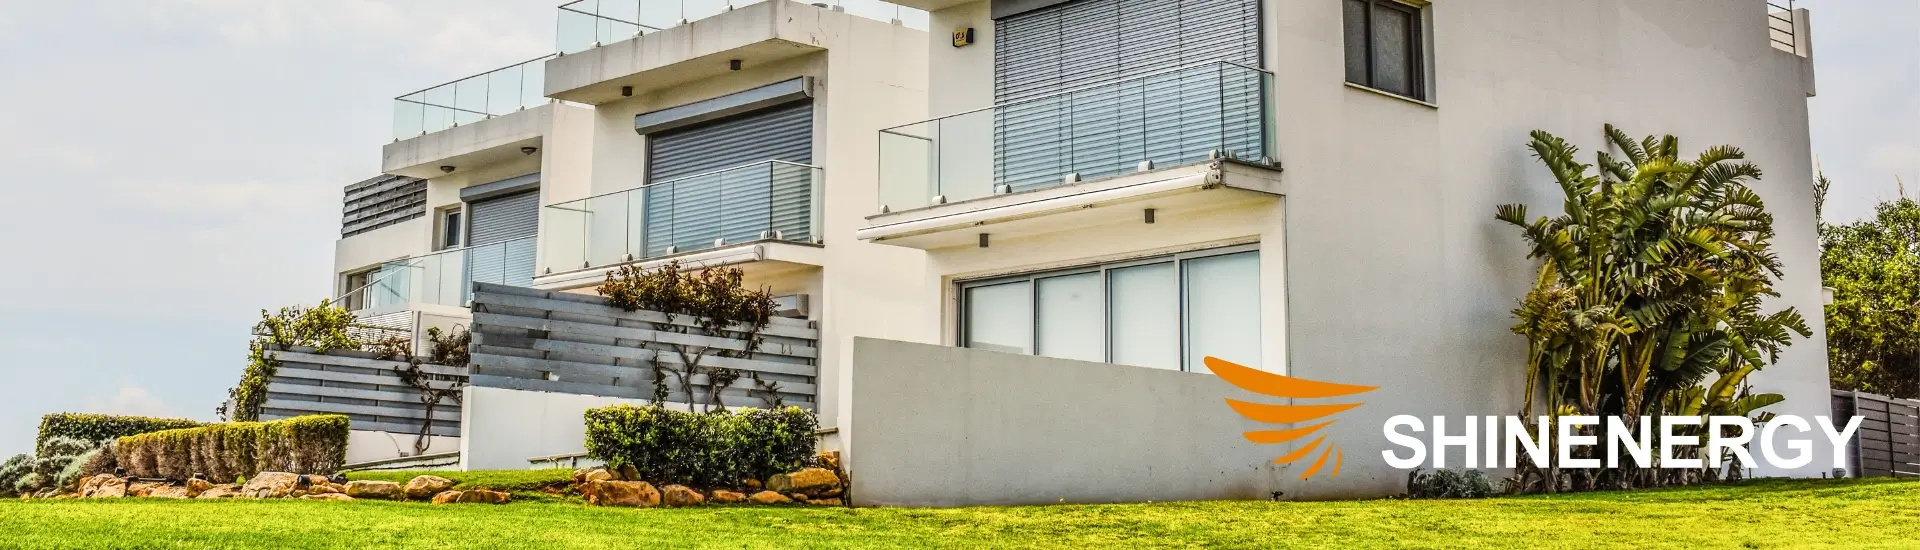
[101,428]
[717,449]
[12,471]
[59,454]
[227,452]
[1448,484]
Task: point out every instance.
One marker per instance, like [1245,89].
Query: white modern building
[1113,188]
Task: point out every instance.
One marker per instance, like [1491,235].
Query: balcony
[474,120]
[445,279]
[614,49]
[763,211]
[1196,128]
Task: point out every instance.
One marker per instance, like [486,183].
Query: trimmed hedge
[717,449]
[101,428]
[224,452]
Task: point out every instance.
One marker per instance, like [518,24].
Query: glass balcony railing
[471,99]
[446,278]
[771,200]
[1165,119]
[588,24]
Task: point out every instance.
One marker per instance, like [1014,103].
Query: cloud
[131,401]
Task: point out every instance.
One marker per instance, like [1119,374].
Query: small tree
[717,304]
[1873,326]
[323,328]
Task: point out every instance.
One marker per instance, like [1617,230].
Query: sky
[174,166]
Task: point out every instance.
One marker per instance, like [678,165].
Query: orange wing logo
[1275,385]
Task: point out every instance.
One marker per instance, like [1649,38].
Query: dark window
[451,230]
[1384,47]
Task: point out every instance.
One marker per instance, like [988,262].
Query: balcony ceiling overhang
[472,145]
[931,5]
[756,259]
[757,34]
[1122,199]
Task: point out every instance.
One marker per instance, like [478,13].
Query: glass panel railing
[446,277]
[1159,120]
[772,200]
[472,99]
[588,24]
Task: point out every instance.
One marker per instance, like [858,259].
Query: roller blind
[690,203]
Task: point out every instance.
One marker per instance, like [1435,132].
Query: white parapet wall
[369,445]
[501,428]
[944,426]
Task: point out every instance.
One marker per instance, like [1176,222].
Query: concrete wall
[366,446]
[1384,265]
[501,429]
[944,426]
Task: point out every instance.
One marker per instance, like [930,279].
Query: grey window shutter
[1170,118]
[702,205]
[505,218]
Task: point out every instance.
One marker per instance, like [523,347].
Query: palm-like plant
[1652,280]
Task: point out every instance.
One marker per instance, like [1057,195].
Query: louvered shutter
[1098,131]
[690,204]
[505,218]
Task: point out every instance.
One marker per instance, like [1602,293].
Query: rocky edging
[282,485]
[622,487]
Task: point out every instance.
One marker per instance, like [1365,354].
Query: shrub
[1448,484]
[101,428]
[226,452]
[57,454]
[69,477]
[716,449]
[12,471]
[323,328]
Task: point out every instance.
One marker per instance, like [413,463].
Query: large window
[1385,47]
[1168,312]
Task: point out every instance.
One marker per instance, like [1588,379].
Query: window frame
[452,223]
[1416,46]
[961,287]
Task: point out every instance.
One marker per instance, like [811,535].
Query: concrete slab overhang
[756,35]
[1088,204]
[494,140]
[755,258]
[931,5]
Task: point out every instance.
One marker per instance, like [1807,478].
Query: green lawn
[1767,514]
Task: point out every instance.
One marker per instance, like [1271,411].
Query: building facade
[1306,188]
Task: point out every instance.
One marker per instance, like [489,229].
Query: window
[451,228]
[1385,48]
[1168,312]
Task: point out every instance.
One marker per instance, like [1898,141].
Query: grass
[512,481]
[1763,514]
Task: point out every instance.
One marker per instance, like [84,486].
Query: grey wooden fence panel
[1888,443]
[537,340]
[367,390]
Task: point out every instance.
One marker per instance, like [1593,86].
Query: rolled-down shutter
[1150,111]
[501,253]
[690,203]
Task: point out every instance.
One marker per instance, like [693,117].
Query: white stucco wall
[1384,265]
[367,446]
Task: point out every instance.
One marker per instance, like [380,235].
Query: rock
[169,491]
[826,502]
[328,496]
[679,496]
[104,486]
[798,497]
[446,497]
[770,497]
[197,486]
[621,493]
[482,496]
[315,480]
[227,490]
[323,489]
[629,473]
[829,493]
[750,483]
[143,488]
[828,459]
[424,487]
[728,497]
[597,474]
[809,481]
[270,485]
[377,490]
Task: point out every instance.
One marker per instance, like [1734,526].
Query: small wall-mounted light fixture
[983,240]
[529,150]
[447,168]
[1149,215]
[626,91]
[962,37]
[734,64]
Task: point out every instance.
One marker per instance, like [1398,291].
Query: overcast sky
[174,166]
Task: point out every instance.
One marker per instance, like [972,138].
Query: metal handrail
[403,97]
[1775,13]
[1071,91]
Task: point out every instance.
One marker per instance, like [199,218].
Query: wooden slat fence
[538,340]
[366,390]
[1888,443]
